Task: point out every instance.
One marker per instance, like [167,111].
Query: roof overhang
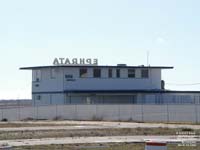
[92,66]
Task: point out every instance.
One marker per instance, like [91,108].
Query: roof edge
[92,66]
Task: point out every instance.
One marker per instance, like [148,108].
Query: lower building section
[115,98]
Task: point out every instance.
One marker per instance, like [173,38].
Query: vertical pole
[96,111]
[132,111]
[147,58]
[196,113]
[119,112]
[37,111]
[1,113]
[76,116]
[56,112]
[142,111]
[167,112]
[19,110]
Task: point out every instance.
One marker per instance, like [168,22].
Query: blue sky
[114,31]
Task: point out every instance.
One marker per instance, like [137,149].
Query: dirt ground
[61,134]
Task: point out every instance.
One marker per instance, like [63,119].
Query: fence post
[142,109]
[167,112]
[18,110]
[76,115]
[56,112]
[37,112]
[196,114]
[96,116]
[132,111]
[1,113]
[118,112]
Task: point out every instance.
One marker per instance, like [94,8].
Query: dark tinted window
[131,73]
[83,73]
[145,73]
[97,73]
[110,73]
[118,73]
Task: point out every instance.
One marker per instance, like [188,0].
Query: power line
[180,84]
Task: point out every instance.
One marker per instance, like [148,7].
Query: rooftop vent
[121,64]
[141,65]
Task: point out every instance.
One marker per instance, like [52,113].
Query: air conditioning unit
[123,65]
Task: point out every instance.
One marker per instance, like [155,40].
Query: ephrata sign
[75,61]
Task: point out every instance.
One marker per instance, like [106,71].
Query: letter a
[56,62]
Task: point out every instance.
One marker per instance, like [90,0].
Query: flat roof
[92,66]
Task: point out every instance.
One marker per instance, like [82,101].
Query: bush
[95,118]
[4,119]
[187,129]
[28,119]
[57,118]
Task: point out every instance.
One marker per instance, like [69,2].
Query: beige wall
[146,113]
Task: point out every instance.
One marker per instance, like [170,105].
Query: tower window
[131,73]
[83,73]
[97,73]
[145,73]
[110,73]
[118,73]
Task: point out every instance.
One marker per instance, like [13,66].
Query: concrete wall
[144,113]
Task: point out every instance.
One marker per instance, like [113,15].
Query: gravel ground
[92,124]
[111,139]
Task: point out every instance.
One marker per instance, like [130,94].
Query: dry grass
[108,146]
[6,135]
[35,124]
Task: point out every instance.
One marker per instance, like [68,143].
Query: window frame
[97,74]
[110,73]
[84,74]
[118,73]
[131,74]
[53,73]
[37,75]
[143,73]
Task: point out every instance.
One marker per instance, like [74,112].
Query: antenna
[148,58]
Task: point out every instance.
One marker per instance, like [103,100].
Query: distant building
[97,84]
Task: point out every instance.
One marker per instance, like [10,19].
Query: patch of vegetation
[105,146]
[89,132]
[4,120]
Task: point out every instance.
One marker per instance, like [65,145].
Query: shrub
[4,119]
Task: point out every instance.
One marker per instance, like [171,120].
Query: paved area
[108,139]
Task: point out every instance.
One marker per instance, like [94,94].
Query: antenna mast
[148,58]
